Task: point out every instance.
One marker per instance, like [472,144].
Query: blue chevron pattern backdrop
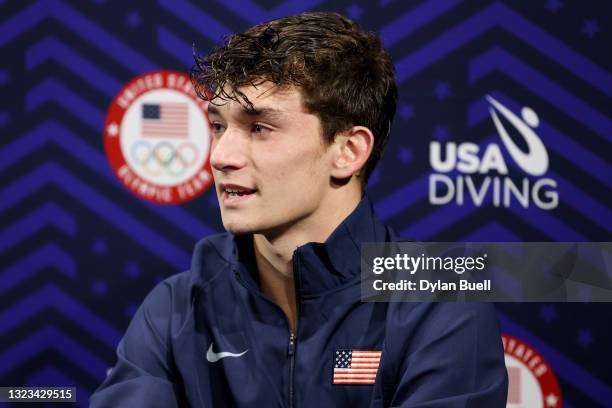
[78,252]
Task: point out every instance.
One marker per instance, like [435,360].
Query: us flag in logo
[356,366]
[169,119]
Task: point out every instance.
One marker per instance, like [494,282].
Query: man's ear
[353,150]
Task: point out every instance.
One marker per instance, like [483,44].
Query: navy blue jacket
[433,354]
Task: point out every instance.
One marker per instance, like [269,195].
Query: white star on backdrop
[113,129]
[551,400]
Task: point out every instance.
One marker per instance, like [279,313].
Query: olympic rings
[154,159]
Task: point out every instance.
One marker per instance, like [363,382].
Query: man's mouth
[233,193]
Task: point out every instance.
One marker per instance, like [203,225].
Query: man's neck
[274,252]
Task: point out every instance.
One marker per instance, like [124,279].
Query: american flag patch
[170,119]
[356,366]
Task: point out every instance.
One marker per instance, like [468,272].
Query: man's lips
[236,189]
[235,193]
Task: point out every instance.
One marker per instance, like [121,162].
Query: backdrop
[78,251]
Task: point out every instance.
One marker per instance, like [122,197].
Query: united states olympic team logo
[532,383]
[157,140]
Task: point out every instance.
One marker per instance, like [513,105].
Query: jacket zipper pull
[291,344]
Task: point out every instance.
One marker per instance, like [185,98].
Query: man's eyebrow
[264,112]
[212,110]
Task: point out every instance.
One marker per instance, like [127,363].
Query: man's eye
[217,128]
[258,128]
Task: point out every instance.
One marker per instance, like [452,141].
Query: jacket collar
[321,267]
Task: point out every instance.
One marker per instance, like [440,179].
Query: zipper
[292,336]
[291,352]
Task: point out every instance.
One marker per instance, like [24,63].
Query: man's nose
[227,151]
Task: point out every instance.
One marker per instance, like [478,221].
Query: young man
[300,109]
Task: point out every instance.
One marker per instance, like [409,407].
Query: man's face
[271,167]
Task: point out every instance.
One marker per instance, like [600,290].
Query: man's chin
[239,228]
[242,225]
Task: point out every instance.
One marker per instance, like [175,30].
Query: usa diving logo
[468,172]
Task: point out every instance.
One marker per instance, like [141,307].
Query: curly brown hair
[344,74]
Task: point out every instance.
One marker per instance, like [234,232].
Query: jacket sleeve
[143,375]
[454,358]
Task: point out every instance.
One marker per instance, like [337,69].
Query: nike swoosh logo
[214,357]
